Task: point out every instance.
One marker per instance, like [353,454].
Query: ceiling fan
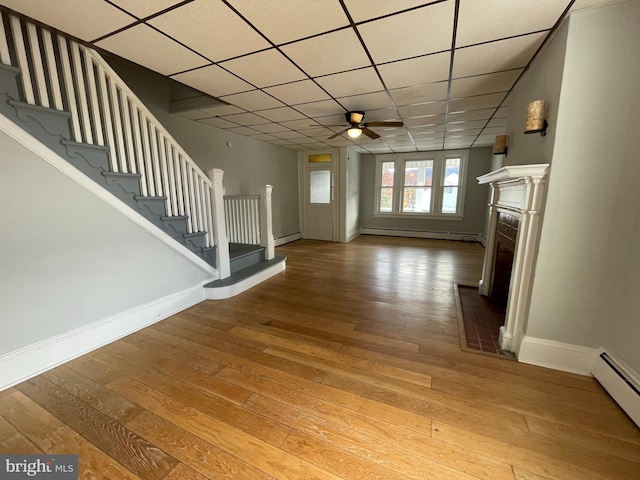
[357,128]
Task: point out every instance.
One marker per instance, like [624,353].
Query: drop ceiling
[288,67]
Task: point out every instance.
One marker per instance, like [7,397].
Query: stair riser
[247,261]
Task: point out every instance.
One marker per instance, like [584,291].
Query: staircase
[66,96]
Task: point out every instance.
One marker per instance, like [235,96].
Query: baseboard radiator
[620,381]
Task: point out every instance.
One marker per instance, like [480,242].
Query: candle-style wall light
[500,145]
[536,121]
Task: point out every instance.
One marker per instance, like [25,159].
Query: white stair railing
[249,220]
[104,111]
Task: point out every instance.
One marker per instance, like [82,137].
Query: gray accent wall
[247,164]
[67,258]
[586,284]
[352,195]
[475,204]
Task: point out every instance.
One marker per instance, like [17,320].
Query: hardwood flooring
[347,365]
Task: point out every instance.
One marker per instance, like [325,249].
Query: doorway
[319,189]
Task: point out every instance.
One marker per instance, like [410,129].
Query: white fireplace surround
[517,190]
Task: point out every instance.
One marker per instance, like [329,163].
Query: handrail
[105,111]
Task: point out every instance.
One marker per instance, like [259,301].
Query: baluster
[243,216]
[192,198]
[93,98]
[138,145]
[128,135]
[207,204]
[70,89]
[202,224]
[172,179]
[38,66]
[5,56]
[82,93]
[178,179]
[196,199]
[148,162]
[116,153]
[165,174]
[186,193]
[23,64]
[157,174]
[52,70]
[255,222]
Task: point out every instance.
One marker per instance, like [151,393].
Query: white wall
[586,284]
[352,195]
[67,259]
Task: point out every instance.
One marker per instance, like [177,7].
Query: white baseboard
[620,381]
[353,235]
[482,239]
[420,234]
[288,239]
[39,357]
[558,355]
[228,291]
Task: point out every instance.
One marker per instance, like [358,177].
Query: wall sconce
[536,122]
[500,145]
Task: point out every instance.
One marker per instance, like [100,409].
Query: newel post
[220,239]
[266,222]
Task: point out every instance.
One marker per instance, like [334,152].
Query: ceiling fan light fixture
[354,132]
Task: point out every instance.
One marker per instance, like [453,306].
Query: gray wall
[247,164]
[542,82]
[475,204]
[587,279]
[67,258]
[352,194]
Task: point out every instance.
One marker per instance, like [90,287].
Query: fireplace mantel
[517,190]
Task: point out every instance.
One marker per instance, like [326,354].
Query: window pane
[418,173]
[452,172]
[320,158]
[417,199]
[387,174]
[386,199]
[320,183]
[450,200]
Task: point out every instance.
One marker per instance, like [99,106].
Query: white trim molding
[519,191]
[34,359]
[288,239]
[353,235]
[558,355]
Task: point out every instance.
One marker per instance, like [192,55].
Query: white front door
[319,203]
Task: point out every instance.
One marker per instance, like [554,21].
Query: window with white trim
[423,184]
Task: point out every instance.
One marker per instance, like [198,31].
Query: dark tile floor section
[482,320]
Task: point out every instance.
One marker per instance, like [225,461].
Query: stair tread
[142,197]
[247,272]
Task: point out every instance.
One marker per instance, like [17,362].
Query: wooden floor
[347,365]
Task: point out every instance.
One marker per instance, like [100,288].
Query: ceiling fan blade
[338,134]
[369,133]
[341,125]
[384,124]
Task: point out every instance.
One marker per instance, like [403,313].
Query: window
[421,184]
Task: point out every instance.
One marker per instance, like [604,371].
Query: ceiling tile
[264,69]
[221,110]
[281,114]
[424,121]
[207,27]
[144,8]
[483,84]
[318,132]
[481,21]
[361,10]
[218,122]
[333,119]
[287,20]
[475,102]
[495,130]
[242,130]
[252,101]
[381,115]
[193,114]
[422,109]
[303,124]
[497,122]
[427,129]
[458,126]
[270,128]
[502,112]
[85,19]
[417,32]
[334,52]
[290,134]
[368,101]
[245,119]
[213,80]
[495,56]
[298,92]
[144,46]
[355,82]
[264,137]
[471,132]
[431,68]
[429,92]
[483,114]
